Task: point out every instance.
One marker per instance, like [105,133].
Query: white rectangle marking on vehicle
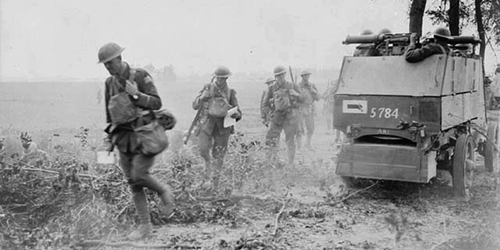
[354,106]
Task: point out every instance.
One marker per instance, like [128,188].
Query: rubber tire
[490,153]
[464,149]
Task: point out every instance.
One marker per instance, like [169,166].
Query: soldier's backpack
[218,105]
[152,137]
[121,108]
[281,98]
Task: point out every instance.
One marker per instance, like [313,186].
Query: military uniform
[282,120]
[365,50]
[309,94]
[414,54]
[329,103]
[265,112]
[211,131]
[440,46]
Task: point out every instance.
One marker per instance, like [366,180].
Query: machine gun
[383,44]
[196,120]
[396,44]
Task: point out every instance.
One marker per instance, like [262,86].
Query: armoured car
[404,121]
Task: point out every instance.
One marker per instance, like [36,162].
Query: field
[76,204]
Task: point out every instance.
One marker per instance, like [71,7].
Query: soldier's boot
[145,228]
[308,143]
[298,141]
[291,157]
[142,232]
[218,162]
[168,201]
[206,173]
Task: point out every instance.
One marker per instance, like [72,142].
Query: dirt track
[385,215]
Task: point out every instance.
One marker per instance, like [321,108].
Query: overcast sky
[60,38]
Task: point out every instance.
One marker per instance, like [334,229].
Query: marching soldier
[310,95]
[215,99]
[283,99]
[135,89]
[265,113]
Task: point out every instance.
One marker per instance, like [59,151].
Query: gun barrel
[363,39]
[463,39]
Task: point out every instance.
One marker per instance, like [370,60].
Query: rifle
[291,73]
[195,120]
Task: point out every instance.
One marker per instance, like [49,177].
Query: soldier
[265,113]
[384,31]
[310,95]
[329,105]
[215,99]
[440,46]
[283,99]
[138,91]
[365,49]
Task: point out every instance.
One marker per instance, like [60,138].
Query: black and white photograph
[250,124]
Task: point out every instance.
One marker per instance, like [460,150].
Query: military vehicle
[404,121]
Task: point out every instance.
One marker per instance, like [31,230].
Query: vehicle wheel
[350,182]
[491,148]
[463,165]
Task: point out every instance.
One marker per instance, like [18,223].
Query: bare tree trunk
[454,17]
[416,16]
[480,29]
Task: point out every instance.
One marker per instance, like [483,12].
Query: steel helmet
[305,72]
[270,80]
[384,31]
[366,32]
[108,52]
[222,72]
[442,32]
[278,70]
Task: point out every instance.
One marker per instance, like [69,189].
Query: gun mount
[396,44]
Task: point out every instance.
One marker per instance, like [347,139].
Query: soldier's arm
[148,97]
[233,101]
[297,89]
[315,92]
[106,98]
[265,105]
[198,102]
[414,55]
[263,112]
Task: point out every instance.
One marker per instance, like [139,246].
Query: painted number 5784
[384,113]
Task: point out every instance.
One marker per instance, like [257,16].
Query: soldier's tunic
[265,112]
[281,121]
[211,132]
[414,54]
[365,50]
[309,94]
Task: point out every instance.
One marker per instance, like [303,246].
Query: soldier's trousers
[289,125]
[307,124]
[136,170]
[217,142]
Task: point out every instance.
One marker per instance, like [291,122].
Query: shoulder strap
[132,75]
[212,91]
[212,87]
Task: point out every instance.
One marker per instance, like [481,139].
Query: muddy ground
[316,212]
